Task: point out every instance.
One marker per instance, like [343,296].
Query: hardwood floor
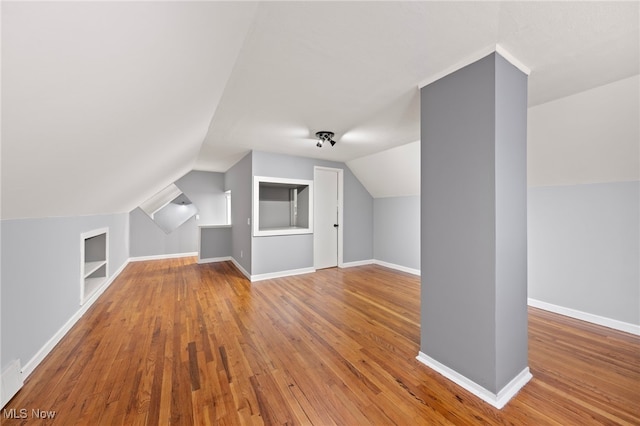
[173,342]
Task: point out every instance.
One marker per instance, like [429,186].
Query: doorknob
[335,225]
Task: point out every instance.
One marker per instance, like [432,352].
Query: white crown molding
[474,57]
[512,59]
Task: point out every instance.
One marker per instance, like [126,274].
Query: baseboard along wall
[163,256]
[585,316]
[497,400]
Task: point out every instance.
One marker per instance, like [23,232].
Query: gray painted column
[473,222]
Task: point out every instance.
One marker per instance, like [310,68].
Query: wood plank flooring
[173,342]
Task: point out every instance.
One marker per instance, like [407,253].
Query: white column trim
[497,400]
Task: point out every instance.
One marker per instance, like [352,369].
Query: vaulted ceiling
[105,103]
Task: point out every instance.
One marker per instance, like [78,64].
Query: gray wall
[584,168]
[215,243]
[275,207]
[396,230]
[239,180]
[296,251]
[147,239]
[584,249]
[358,219]
[511,319]
[471,144]
[41,276]
[206,192]
[282,253]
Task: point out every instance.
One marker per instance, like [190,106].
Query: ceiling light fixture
[324,137]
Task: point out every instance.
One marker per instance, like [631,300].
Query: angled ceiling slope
[353,67]
[391,173]
[105,103]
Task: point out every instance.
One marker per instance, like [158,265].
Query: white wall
[584,196]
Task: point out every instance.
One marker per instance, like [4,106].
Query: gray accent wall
[206,192]
[275,207]
[396,230]
[584,248]
[358,219]
[510,184]
[147,239]
[41,276]
[215,242]
[239,181]
[473,222]
[296,251]
[282,253]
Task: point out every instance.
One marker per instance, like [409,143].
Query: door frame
[340,173]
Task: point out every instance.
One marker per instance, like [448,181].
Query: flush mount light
[324,137]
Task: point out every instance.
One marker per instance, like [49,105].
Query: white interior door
[326,218]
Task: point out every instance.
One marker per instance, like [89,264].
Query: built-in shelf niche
[282,206]
[94,263]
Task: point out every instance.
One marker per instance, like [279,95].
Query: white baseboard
[513,387]
[163,256]
[498,400]
[240,268]
[279,274]
[585,316]
[397,267]
[356,263]
[268,276]
[214,259]
[44,350]
[11,382]
[381,263]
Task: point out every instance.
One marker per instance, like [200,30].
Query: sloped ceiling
[104,104]
[354,67]
[394,172]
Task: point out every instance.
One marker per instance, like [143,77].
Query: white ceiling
[394,172]
[354,67]
[596,141]
[104,104]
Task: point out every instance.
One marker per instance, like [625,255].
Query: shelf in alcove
[94,253]
[91,285]
[91,267]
